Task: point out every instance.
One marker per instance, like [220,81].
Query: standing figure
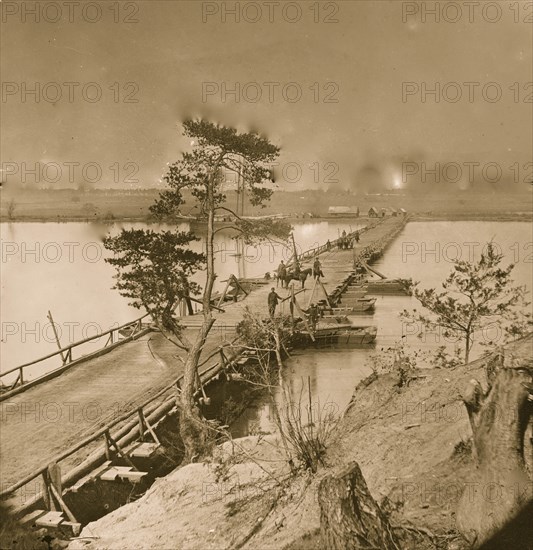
[282,273]
[313,315]
[273,299]
[357,236]
[317,268]
[344,239]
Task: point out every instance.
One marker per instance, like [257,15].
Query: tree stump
[350,518]
[499,417]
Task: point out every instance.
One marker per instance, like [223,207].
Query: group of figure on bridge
[345,242]
[286,274]
[312,312]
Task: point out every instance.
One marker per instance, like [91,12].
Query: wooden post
[55,488]
[108,455]
[120,451]
[17,379]
[54,479]
[54,473]
[21,376]
[240,286]
[294,250]
[291,304]
[325,293]
[368,268]
[201,303]
[312,293]
[310,420]
[63,505]
[141,423]
[299,309]
[225,290]
[46,491]
[148,427]
[50,318]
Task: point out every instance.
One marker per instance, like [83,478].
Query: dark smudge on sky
[361,62]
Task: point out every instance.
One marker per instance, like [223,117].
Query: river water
[60,267]
[425,252]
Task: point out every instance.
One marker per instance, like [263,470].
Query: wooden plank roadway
[47,419]
[336,265]
[44,420]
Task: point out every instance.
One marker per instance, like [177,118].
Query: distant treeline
[116,204]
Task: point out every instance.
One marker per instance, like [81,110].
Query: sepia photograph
[266,275]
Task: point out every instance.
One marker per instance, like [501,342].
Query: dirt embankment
[412,444]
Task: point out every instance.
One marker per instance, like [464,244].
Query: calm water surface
[60,267]
[424,251]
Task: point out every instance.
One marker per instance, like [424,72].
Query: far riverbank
[503,216]
[108,206]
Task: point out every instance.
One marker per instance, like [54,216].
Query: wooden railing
[317,250]
[369,253]
[66,355]
[134,422]
[137,423]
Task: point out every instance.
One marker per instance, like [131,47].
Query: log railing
[317,250]
[135,423]
[66,356]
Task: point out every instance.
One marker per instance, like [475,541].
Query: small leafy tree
[153,271]
[475,295]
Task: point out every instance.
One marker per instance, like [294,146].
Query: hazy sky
[178,54]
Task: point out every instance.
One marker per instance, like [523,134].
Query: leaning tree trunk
[193,429]
[350,518]
[499,418]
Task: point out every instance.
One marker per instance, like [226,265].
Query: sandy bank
[412,445]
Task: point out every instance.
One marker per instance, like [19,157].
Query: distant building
[343,211]
[373,212]
[387,211]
